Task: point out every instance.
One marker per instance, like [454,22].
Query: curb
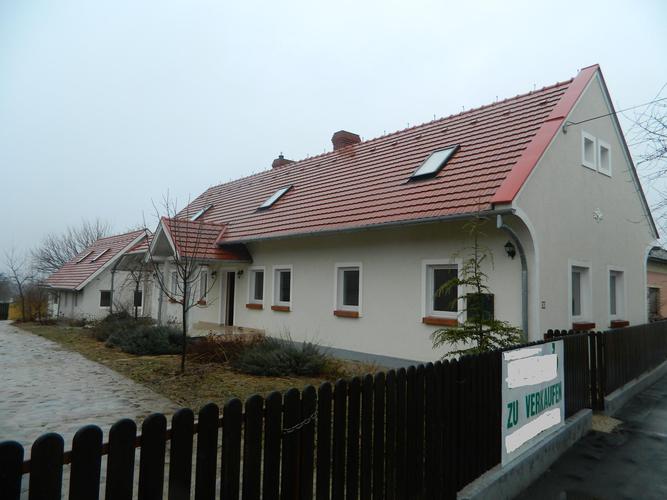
[615,401]
[507,482]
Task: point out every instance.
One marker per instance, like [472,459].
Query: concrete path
[44,388]
[628,463]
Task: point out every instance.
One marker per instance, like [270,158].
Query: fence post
[46,467]
[180,454]
[11,463]
[207,452]
[592,367]
[86,462]
[602,368]
[120,461]
[151,458]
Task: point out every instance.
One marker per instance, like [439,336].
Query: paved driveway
[44,388]
[628,463]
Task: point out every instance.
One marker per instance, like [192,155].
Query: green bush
[118,322]
[146,339]
[278,357]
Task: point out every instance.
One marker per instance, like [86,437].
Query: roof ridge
[117,236]
[297,163]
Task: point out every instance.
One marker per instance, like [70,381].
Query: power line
[568,123]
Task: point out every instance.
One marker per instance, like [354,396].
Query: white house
[101,279]
[347,248]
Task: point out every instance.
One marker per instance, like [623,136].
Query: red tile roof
[74,274]
[198,239]
[366,184]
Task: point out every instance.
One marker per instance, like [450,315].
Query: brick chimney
[343,138]
[280,161]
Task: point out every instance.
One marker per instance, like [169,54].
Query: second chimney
[343,138]
[280,161]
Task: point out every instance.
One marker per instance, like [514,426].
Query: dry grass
[202,383]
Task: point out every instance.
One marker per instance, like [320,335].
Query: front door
[229,298]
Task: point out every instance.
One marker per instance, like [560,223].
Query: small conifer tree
[480,332]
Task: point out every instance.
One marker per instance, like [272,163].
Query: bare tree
[647,138]
[57,249]
[188,281]
[20,274]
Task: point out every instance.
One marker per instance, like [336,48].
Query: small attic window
[201,212]
[99,254]
[434,163]
[83,257]
[274,197]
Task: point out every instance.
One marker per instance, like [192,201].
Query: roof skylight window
[434,163]
[83,257]
[100,254]
[201,212]
[275,197]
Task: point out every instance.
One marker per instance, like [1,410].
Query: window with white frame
[105,298]
[616,294]
[604,158]
[256,290]
[588,156]
[348,287]
[282,283]
[441,299]
[580,293]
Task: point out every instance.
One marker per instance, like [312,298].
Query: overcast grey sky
[107,104]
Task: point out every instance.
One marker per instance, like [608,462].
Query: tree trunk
[185,334]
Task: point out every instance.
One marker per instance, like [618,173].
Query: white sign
[533,396]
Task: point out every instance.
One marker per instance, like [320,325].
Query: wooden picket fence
[420,432]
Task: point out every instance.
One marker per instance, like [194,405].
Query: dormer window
[99,255]
[434,163]
[83,257]
[201,212]
[274,198]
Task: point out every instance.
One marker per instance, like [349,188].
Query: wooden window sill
[581,326]
[434,320]
[280,308]
[341,313]
[619,323]
[254,306]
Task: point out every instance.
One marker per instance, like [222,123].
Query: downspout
[524,273]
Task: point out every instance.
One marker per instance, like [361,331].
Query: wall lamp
[239,273]
[510,249]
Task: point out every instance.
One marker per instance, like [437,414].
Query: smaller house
[656,281]
[108,275]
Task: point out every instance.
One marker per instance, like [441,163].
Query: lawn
[201,383]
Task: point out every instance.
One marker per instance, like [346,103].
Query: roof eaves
[539,144]
[381,225]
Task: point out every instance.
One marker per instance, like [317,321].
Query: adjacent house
[349,247]
[108,275]
[656,278]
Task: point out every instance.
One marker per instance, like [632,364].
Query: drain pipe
[524,273]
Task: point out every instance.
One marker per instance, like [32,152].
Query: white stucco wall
[559,201]
[392,287]
[87,303]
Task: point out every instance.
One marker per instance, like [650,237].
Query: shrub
[146,339]
[117,322]
[216,348]
[279,357]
